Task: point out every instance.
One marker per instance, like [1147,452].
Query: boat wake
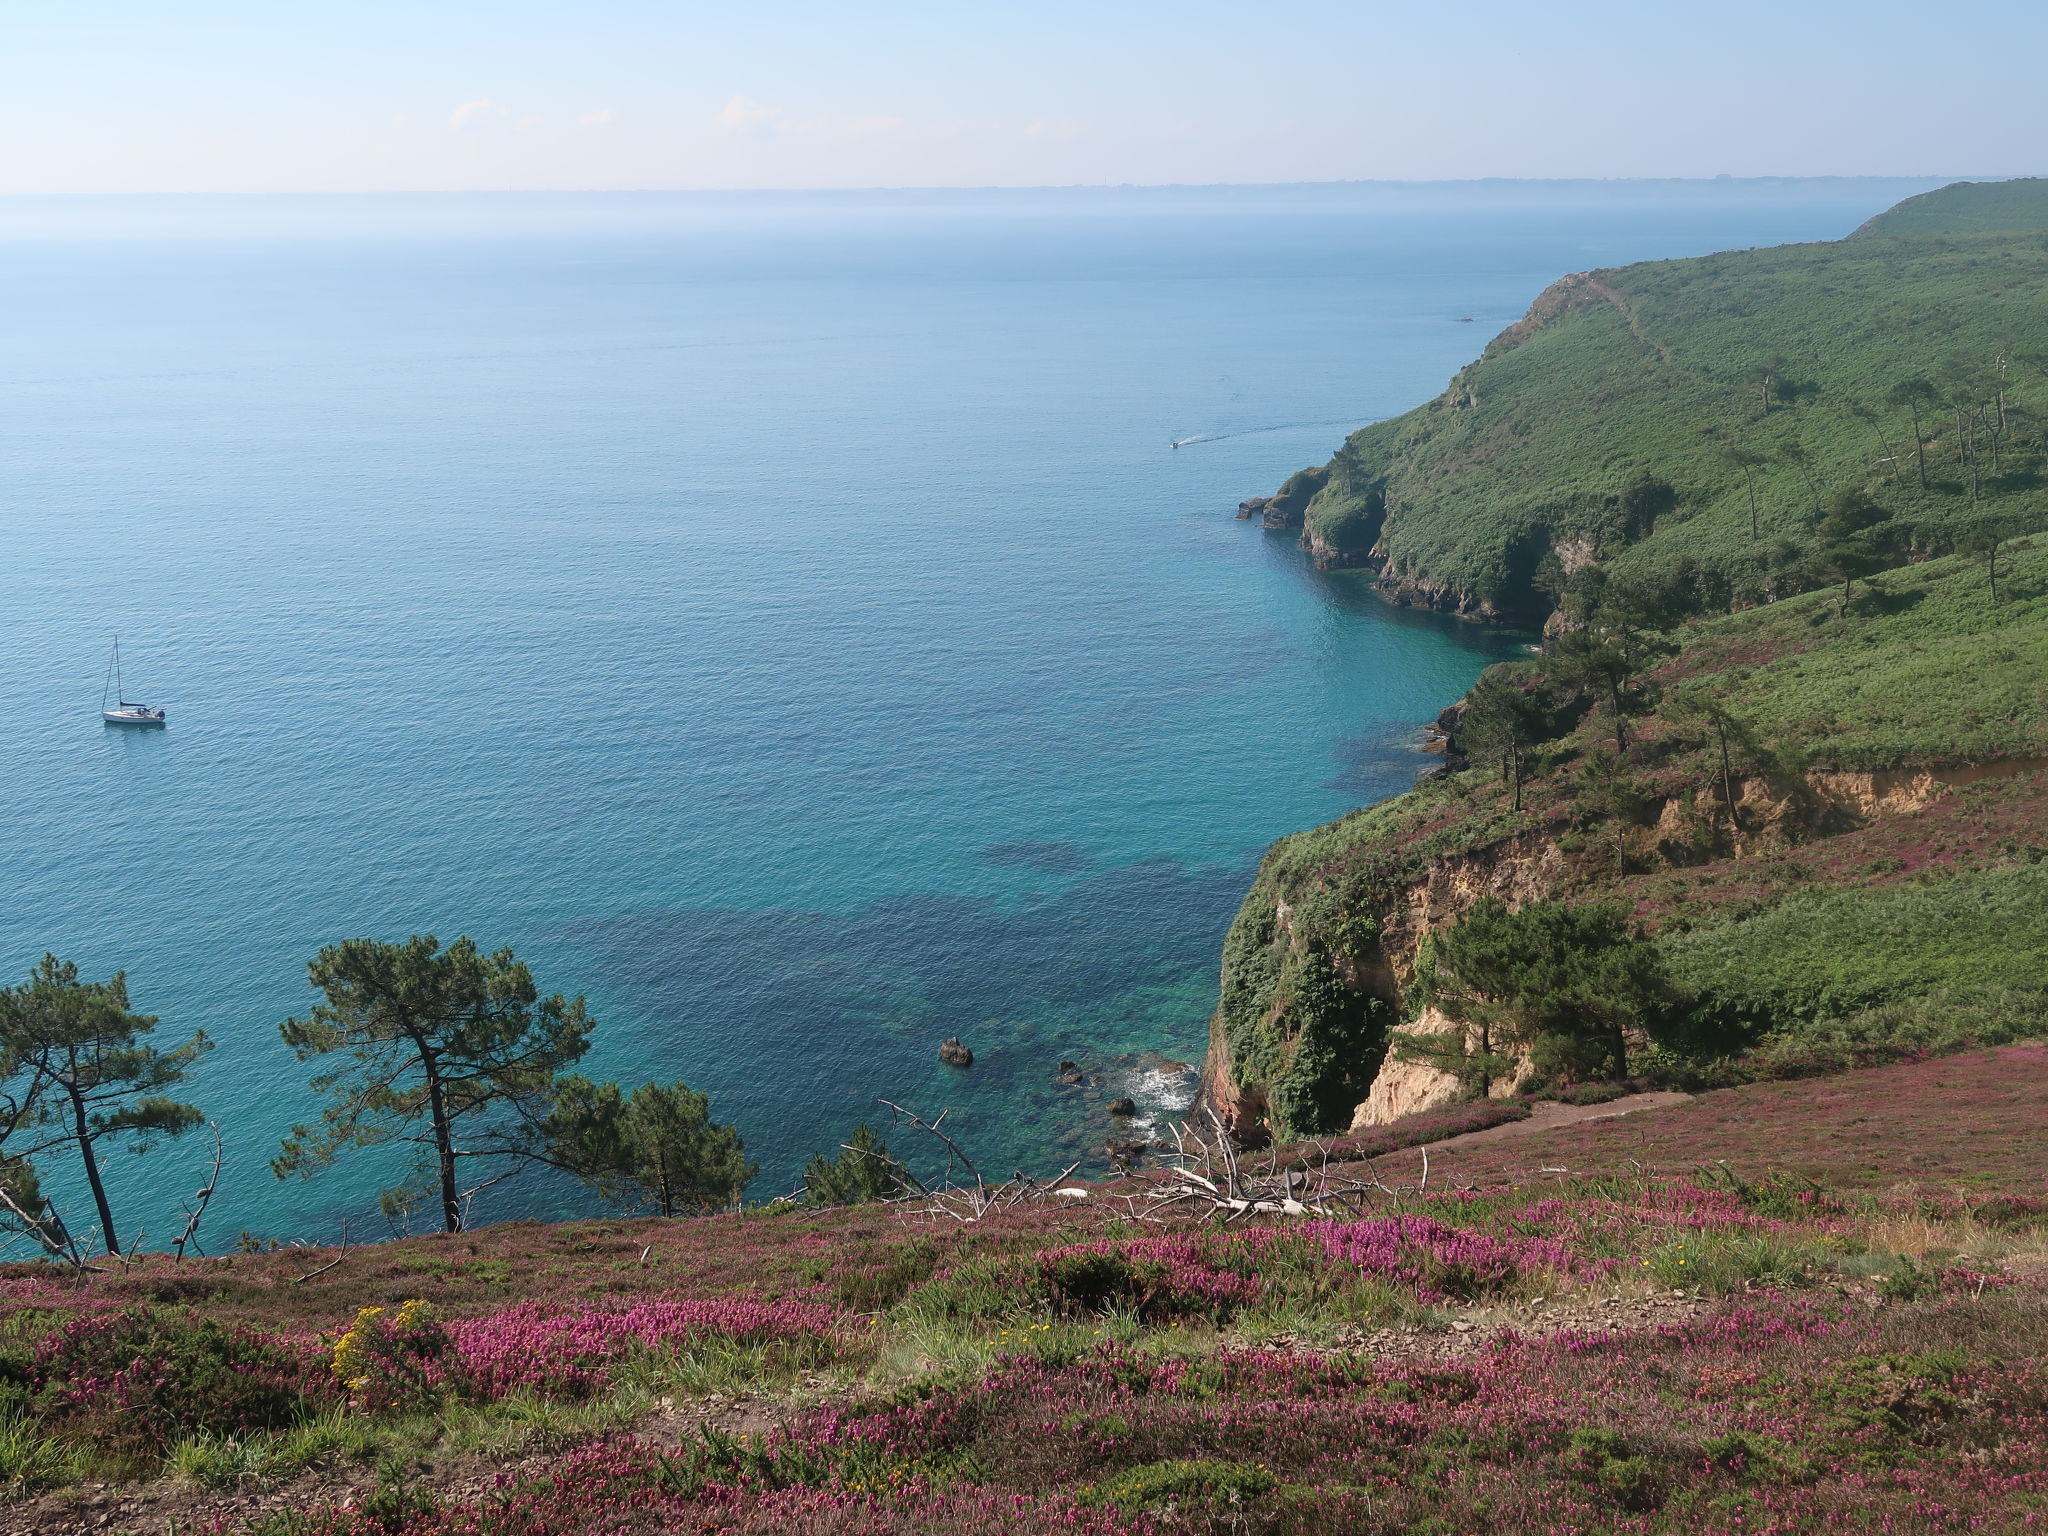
[1285,426]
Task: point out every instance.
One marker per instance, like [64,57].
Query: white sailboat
[123,712]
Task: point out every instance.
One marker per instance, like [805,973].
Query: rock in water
[954,1054]
[1125,1107]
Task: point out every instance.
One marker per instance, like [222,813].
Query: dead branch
[314,1274]
[48,1231]
[196,1212]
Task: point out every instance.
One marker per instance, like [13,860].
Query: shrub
[1152,1279]
[1167,1482]
[1439,1262]
[136,1382]
[392,1361]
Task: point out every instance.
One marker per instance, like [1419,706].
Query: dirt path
[1548,1115]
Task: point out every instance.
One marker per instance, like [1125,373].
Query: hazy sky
[357,95]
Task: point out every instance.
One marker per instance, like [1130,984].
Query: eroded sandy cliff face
[1320,965]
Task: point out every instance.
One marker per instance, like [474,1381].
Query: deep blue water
[782,620]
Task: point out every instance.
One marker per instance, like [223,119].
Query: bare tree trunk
[1919,449]
[444,1146]
[83,1131]
[1728,782]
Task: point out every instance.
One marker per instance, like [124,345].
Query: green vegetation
[1777,508]
[1795,908]
[1827,953]
[434,1043]
[1686,422]
[1564,983]
[861,1171]
[76,1073]
[2003,207]
[657,1148]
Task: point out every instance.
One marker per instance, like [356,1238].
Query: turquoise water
[782,620]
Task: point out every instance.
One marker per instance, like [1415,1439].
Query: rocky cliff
[1891,752]
[1675,432]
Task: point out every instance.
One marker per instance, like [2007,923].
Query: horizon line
[1116,186]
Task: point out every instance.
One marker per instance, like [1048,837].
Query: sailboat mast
[113,672]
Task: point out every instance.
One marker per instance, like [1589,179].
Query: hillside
[1578,1330]
[1684,421]
[1794,781]
[2001,207]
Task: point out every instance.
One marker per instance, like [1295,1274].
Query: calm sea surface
[781,619]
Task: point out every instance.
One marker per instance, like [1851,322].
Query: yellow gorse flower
[351,1360]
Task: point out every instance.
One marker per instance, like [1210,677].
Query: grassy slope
[1795,931]
[1661,368]
[1807,925]
[1647,1350]
[1976,207]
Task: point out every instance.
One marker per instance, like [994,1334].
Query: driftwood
[1206,1177]
[1200,1177]
[314,1274]
[959,1202]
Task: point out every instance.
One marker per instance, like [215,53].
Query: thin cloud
[741,116]
[470,111]
[599,119]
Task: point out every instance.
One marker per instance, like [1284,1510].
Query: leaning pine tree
[453,1052]
[78,1076]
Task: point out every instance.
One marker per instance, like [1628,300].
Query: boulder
[954,1054]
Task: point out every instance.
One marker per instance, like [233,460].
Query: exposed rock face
[1302,946]
[954,1054]
[1253,506]
[1404,1087]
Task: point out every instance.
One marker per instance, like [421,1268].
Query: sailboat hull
[132,716]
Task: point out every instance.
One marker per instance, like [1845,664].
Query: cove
[782,620]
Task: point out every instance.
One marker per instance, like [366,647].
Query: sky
[417,95]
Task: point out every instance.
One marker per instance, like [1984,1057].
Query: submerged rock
[1124,1107]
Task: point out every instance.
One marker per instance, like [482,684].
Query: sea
[785,620]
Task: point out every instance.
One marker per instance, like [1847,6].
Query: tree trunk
[1620,1046]
[1919,449]
[444,1146]
[1515,754]
[1620,725]
[92,1169]
[1728,784]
